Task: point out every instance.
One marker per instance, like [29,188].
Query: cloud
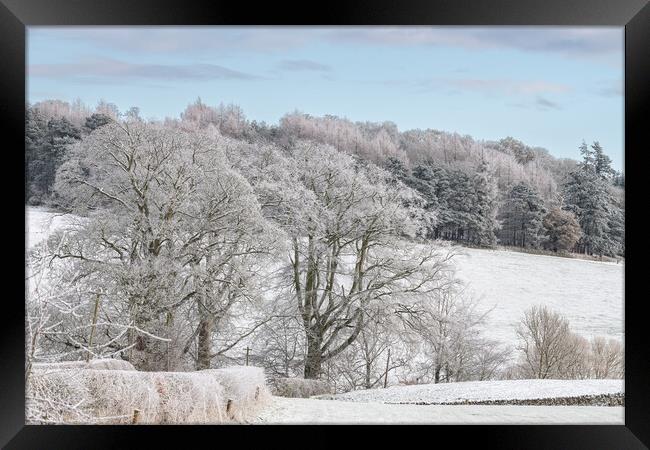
[295,65]
[175,40]
[545,104]
[498,86]
[110,68]
[594,43]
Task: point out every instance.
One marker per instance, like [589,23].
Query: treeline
[194,238]
[482,193]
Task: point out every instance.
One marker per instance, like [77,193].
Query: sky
[551,87]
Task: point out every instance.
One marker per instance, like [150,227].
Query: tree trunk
[436,376]
[206,328]
[367,380]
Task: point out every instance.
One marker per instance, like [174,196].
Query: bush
[299,387]
[76,396]
[245,390]
[99,364]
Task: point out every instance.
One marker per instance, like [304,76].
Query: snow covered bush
[79,396]
[299,387]
[98,364]
[245,390]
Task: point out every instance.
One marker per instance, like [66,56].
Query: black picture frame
[634,15]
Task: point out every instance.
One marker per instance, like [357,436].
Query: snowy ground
[484,390]
[309,410]
[40,223]
[588,293]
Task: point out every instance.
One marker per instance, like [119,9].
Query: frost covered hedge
[245,390]
[103,364]
[123,397]
[299,387]
[104,393]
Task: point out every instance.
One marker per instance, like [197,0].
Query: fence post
[386,374]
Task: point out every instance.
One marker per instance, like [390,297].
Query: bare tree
[450,326]
[549,348]
[606,358]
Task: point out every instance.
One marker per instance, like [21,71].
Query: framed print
[266,217]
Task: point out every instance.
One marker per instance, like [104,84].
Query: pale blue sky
[547,86]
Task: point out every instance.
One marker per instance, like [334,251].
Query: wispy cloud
[611,89]
[177,40]
[594,43]
[295,65]
[110,68]
[545,104]
[500,86]
[597,43]
[503,86]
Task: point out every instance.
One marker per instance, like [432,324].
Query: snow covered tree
[588,195]
[449,325]
[170,226]
[602,162]
[95,121]
[46,148]
[521,217]
[483,222]
[345,220]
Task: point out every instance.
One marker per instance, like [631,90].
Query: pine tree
[46,148]
[602,163]
[521,217]
[483,222]
[95,121]
[588,195]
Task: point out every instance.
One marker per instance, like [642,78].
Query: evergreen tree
[521,217]
[483,222]
[46,148]
[562,229]
[397,168]
[588,195]
[602,163]
[35,130]
[95,121]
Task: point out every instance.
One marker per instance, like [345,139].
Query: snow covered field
[483,390]
[309,410]
[588,293]
[40,223]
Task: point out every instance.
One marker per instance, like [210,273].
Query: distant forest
[481,193]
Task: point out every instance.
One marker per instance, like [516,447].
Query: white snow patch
[588,293]
[483,390]
[314,411]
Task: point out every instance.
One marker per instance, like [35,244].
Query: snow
[483,390]
[309,410]
[40,223]
[588,293]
